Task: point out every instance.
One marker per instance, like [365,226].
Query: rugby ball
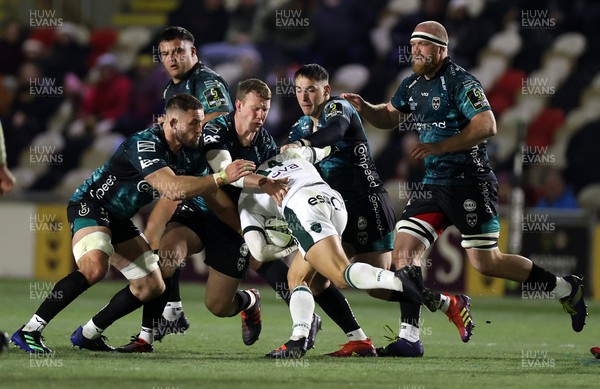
[277,232]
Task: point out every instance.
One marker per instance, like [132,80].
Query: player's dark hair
[312,71]
[176,32]
[253,85]
[184,102]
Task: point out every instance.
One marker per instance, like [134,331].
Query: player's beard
[423,67]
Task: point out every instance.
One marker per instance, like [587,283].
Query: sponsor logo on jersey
[334,109]
[101,191]
[146,146]
[436,103]
[472,219]
[83,209]
[412,104]
[469,205]
[215,97]
[477,98]
[362,152]
[320,199]
[144,163]
[208,139]
[362,223]
[244,250]
[144,187]
[211,127]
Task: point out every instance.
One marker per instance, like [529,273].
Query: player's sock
[275,273]
[245,300]
[444,302]
[63,293]
[174,308]
[302,307]
[409,332]
[358,334]
[36,323]
[540,278]
[91,330]
[147,334]
[364,276]
[335,305]
[562,289]
[153,309]
[122,303]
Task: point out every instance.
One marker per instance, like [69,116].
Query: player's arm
[481,127]
[218,159]
[261,250]
[381,115]
[157,221]
[175,187]
[220,203]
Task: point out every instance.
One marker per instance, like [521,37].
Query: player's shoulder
[304,123]
[337,106]
[148,140]
[456,74]
[204,73]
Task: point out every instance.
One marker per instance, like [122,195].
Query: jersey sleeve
[146,154]
[470,98]
[399,100]
[337,109]
[214,135]
[297,133]
[214,95]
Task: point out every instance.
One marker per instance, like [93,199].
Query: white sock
[444,303]
[364,276]
[147,334]
[36,323]
[562,289]
[91,331]
[409,332]
[358,334]
[252,298]
[173,310]
[302,307]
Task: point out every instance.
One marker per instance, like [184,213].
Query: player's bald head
[431,31]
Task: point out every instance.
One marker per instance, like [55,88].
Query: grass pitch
[517,344]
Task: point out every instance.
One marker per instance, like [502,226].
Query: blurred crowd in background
[69,95]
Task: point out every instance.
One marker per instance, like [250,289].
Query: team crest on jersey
[208,139]
[471,219]
[362,237]
[244,250]
[334,109]
[436,103]
[241,263]
[146,146]
[316,227]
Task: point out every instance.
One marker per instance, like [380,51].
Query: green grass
[511,334]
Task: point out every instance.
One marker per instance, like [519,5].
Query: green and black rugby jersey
[349,168]
[119,184]
[440,108]
[204,84]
